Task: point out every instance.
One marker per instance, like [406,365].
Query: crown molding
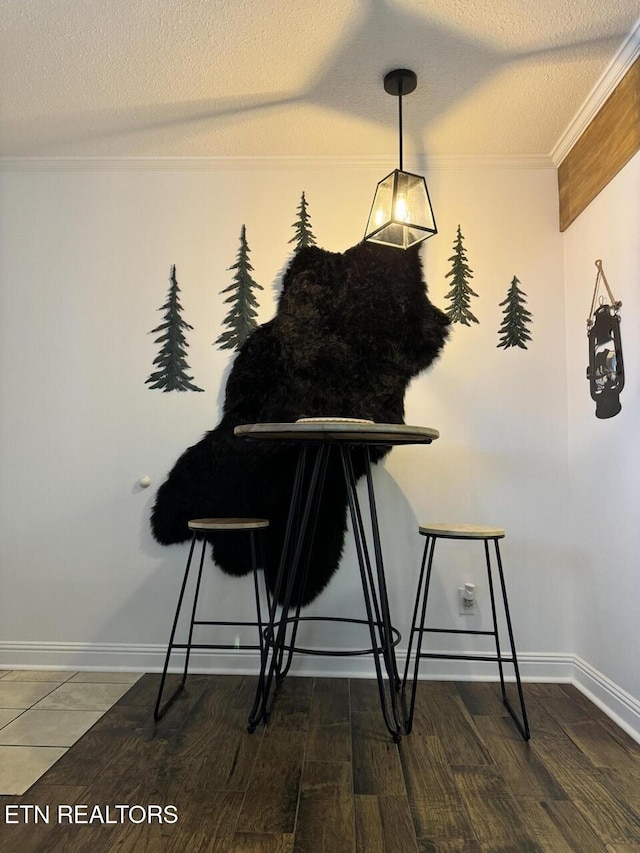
[268,164]
[612,75]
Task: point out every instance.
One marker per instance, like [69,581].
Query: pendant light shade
[401,214]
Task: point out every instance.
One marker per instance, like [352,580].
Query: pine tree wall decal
[241,318]
[513,329]
[171,360]
[460,294]
[303,235]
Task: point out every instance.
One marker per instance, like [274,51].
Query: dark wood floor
[324,775]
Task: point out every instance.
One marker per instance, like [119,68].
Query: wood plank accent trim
[608,143]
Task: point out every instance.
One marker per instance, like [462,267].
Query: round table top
[340,431]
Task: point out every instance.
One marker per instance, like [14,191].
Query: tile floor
[43,713]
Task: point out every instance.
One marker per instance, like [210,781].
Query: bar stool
[468,532]
[200,528]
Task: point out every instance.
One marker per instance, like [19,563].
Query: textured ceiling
[190,78]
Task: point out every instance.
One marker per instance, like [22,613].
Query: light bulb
[402,214]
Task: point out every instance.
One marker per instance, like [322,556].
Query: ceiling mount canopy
[400,81]
[401,214]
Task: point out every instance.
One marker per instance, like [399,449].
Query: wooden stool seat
[461,531]
[227,523]
[419,626]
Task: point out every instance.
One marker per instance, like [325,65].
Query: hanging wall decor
[171,361]
[241,319]
[303,237]
[513,330]
[460,293]
[606,368]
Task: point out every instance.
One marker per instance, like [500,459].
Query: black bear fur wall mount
[350,332]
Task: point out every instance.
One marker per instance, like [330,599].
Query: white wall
[84,266]
[604,455]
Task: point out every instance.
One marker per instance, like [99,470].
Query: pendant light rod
[399,82]
[400,123]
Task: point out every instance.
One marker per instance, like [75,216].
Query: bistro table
[315,438]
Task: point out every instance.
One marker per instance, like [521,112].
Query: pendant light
[401,214]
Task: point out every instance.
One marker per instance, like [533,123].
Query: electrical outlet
[467,600]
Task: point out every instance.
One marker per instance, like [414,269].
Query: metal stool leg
[159,711]
[256,586]
[495,620]
[419,630]
[523,725]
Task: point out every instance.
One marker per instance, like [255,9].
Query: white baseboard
[96,657]
[122,657]
[623,708]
